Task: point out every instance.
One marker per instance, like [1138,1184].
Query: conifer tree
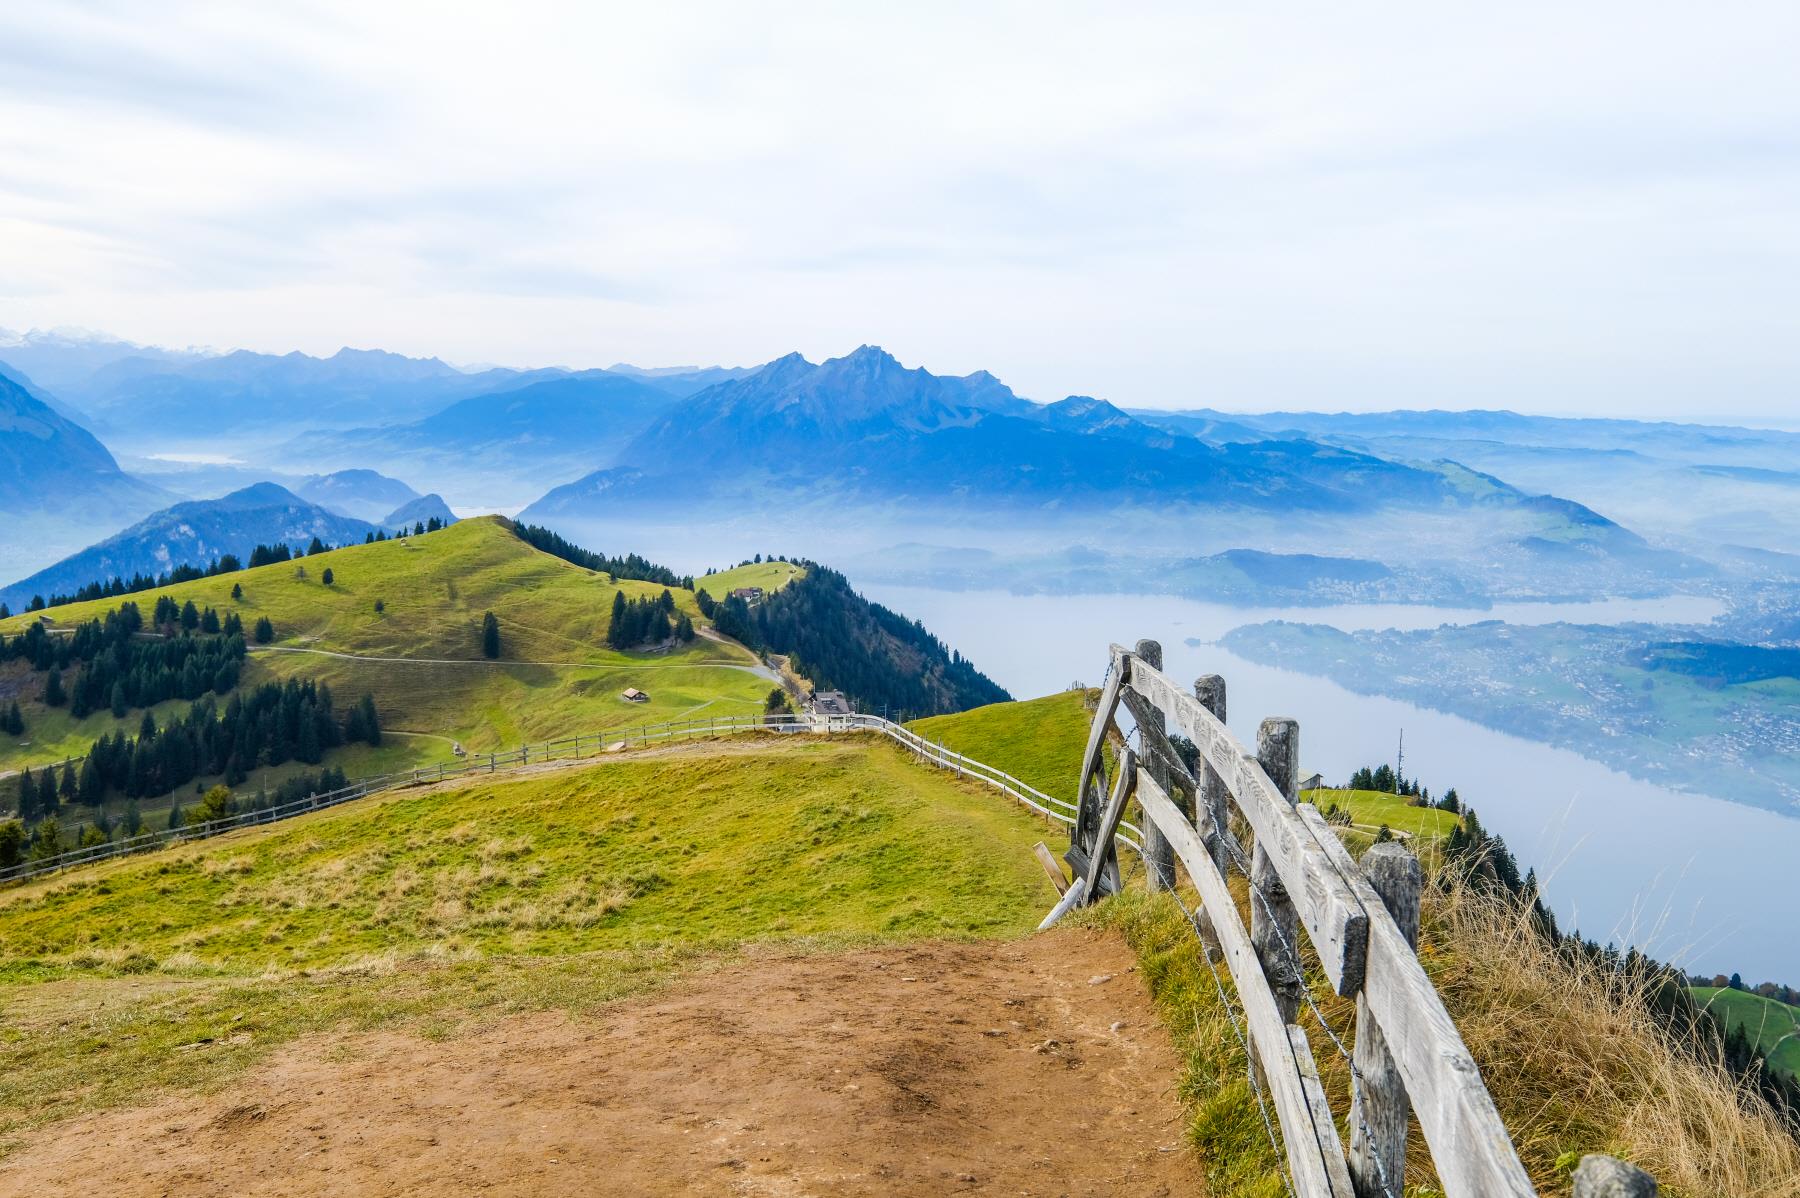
[53,690]
[490,636]
[265,631]
[327,577]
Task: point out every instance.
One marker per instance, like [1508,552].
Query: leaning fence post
[1379,1106]
[1159,853]
[1274,924]
[1210,813]
[1608,1177]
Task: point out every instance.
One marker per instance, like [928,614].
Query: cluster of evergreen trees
[879,659]
[647,621]
[273,724]
[120,671]
[47,837]
[1387,780]
[629,566]
[116,586]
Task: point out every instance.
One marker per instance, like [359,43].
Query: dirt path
[760,670]
[1031,1068]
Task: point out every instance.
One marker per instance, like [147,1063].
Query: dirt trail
[1030,1068]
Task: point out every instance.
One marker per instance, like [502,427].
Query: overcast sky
[1576,208]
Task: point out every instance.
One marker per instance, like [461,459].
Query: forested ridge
[632,565]
[841,641]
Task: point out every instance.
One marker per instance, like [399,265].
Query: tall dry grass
[1578,1060]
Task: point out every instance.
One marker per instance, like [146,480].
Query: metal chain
[1293,955]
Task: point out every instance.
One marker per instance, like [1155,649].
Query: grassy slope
[770,576]
[1039,741]
[563,891]
[1774,1026]
[434,591]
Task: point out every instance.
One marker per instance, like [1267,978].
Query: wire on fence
[1046,805]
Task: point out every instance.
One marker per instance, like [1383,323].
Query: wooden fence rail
[1360,922]
[576,747]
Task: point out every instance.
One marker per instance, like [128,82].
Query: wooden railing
[569,748]
[1404,1055]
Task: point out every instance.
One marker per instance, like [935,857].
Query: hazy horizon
[1552,210]
[1790,423]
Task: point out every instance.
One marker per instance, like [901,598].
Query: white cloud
[1551,207]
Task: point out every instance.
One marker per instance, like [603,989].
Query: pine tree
[616,631]
[237,590]
[12,841]
[53,690]
[317,546]
[371,723]
[265,631]
[190,616]
[176,819]
[327,577]
[67,790]
[490,636]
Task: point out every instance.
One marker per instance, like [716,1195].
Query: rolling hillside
[428,910]
[420,654]
[1773,1027]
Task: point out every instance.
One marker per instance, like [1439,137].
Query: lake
[1691,879]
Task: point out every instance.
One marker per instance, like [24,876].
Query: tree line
[47,837]
[271,725]
[841,641]
[632,565]
[647,620]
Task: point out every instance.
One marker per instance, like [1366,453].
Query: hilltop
[402,620]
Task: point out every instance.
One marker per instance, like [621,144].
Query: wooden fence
[572,748]
[1360,921]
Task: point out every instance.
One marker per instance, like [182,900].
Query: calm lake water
[1691,879]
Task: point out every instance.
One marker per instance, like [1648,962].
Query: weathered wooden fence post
[1379,1107]
[1607,1177]
[1274,924]
[1211,813]
[1159,854]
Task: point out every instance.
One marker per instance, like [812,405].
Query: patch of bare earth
[1034,1068]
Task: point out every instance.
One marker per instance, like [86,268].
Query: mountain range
[194,533]
[864,429]
[47,460]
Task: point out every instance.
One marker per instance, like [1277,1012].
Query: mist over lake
[1684,876]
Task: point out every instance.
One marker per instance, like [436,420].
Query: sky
[1571,209]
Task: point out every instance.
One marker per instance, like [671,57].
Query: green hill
[426,909]
[401,621]
[1038,741]
[1774,1027]
[770,576]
